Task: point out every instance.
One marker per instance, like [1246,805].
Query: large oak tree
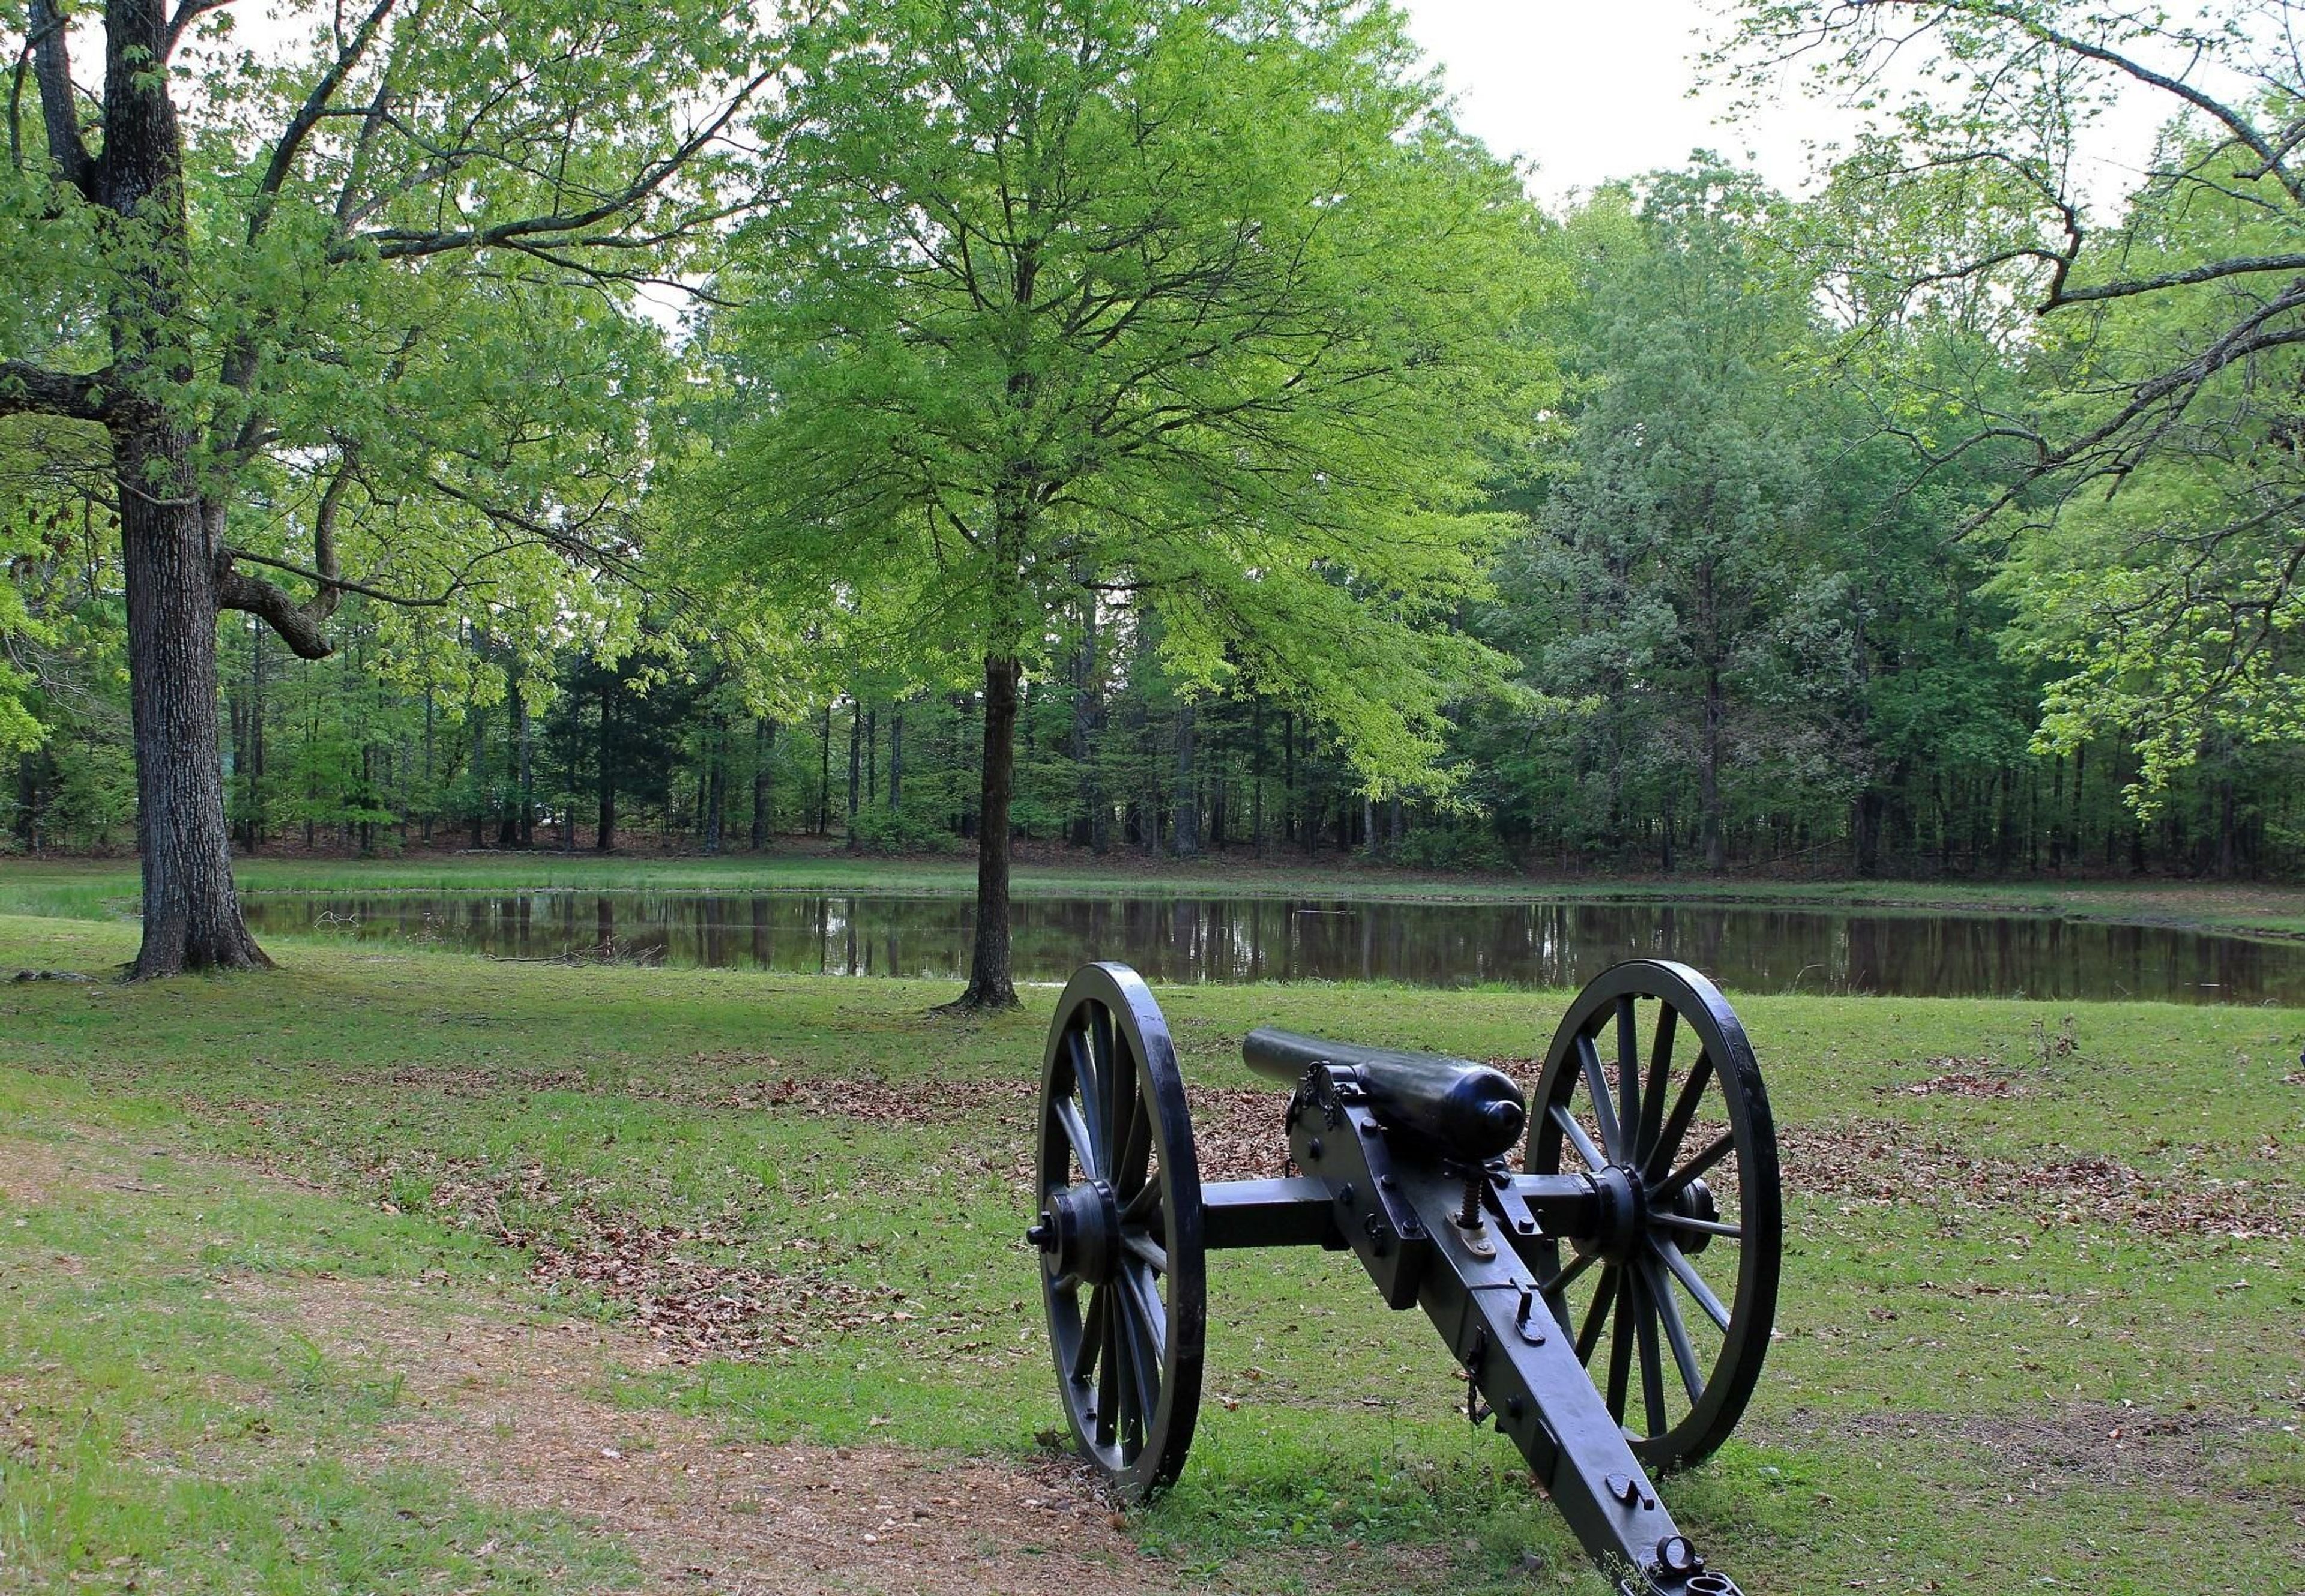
[1126,302]
[325,276]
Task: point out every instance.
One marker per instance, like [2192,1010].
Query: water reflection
[1243,940]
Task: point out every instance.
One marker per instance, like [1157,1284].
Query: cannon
[1609,1302]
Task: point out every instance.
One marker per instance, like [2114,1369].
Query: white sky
[1589,91]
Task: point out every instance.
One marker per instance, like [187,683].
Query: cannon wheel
[1651,1087]
[1119,1231]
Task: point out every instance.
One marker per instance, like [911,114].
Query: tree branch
[26,389]
[308,115]
[188,11]
[52,70]
[235,590]
[399,244]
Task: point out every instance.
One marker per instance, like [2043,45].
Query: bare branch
[400,244]
[308,114]
[2209,272]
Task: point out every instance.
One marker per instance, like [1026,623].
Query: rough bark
[990,985]
[192,912]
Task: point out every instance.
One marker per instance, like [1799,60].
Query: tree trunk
[1185,833]
[1708,788]
[515,714]
[716,784]
[525,730]
[606,841]
[169,539]
[191,914]
[990,985]
[895,757]
[764,747]
[824,775]
[1087,825]
[855,765]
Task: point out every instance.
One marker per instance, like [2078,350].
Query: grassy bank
[108,887]
[2038,1324]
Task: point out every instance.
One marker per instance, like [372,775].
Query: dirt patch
[2084,1443]
[503,1407]
[1879,1163]
[31,1172]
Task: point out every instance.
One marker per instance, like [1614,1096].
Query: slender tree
[1200,302]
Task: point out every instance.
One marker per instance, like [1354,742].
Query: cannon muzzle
[1464,1109]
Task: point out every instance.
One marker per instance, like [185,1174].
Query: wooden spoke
[1652,1366]
[1691,1281]
[1092,1341]
[1684,1113]
[1068,1116]
[1722,1147]
[1145,1247]
[1577,1139]
[1597,1314]
[1596,1087]
[1620,1348]
[1568,1277]
[1091,1091]
[1676,1335]
[1645,1140]
[1694,1226]
[1629,1078]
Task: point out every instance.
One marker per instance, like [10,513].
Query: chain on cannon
[1609,1301]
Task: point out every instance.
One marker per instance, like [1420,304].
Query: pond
[1747,948]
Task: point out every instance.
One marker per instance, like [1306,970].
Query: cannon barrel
[1465,1109]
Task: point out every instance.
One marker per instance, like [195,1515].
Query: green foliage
[1201,309]
[908,830]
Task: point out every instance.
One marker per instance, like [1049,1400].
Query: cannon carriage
[1609,1301]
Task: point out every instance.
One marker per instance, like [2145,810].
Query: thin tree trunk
[855,765]
[1708,792]
[716,784]
[764,746]
[990,985]
[525,730]
[895,757]
[606,839]
[824,776]
[1185,830]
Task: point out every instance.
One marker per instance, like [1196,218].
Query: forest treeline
[1140,425]
[1740,638]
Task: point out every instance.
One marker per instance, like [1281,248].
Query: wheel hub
[1695,1201]
[1080,1232]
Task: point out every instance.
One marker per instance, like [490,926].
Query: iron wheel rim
[1129,1350]
[1698,1111]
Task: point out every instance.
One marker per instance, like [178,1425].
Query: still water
[1532,944]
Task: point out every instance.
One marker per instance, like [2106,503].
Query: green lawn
[2041,1339]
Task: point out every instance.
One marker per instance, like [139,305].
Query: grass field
[403,1270]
